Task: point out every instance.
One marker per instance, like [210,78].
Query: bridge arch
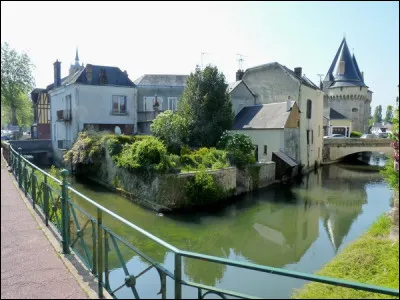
[337,149]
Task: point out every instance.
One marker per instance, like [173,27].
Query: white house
[91,97]
[272,127]
[273,82]
[382,129]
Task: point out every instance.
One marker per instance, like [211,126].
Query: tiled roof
[264,116]
[283,156]
[162,80]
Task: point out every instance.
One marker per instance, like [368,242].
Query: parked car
[336,135]
[368,136]
[5,138]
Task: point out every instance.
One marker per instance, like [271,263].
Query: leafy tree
[378,114]
[24,111]
[171,128]
[239,147]
[389,114]
[206,107]
[16,79]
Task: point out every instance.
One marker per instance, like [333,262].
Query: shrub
[147,155]
[204,158]
[203,188]
[355,134]
[239,147]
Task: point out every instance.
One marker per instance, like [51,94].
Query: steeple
[344,70]
[77,57]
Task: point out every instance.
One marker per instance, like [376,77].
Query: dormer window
[341,67]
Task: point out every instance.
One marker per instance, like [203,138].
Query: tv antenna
[320,76]
[240,60]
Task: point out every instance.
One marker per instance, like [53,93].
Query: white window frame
[172,103]
[119,112]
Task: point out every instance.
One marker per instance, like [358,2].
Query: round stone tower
[345,90]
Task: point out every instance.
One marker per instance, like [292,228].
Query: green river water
[299,227]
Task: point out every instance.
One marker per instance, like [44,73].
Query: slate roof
[162,80]
[335,115]
[114,77]
[283,156]
[263,116]
[352,75]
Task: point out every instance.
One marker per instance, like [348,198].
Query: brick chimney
[239,75]
[57,73]
[298,71]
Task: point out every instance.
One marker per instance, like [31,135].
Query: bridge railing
[83,227]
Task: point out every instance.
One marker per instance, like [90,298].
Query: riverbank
[372,259]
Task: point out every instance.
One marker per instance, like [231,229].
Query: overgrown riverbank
[372,259]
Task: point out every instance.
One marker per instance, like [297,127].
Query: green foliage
[355,134]
[204,158]
[87,149]
[171,128]
[239,147]
[389,114]
[145,156]
[203,188]
[372,259]
[378,114]
[16,82]
[206,107]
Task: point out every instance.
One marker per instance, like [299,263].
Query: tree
[378,114]
[389,114]
[171,128]
[206,107]
[16,79]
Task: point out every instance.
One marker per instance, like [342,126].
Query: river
[299,227]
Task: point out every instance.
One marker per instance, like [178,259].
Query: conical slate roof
[351,75]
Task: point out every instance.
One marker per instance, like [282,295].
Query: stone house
[91,97]
[165,90]
[274,83]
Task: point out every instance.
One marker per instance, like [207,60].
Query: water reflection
[276,226]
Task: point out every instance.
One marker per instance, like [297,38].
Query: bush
[355,134]
[147,155]
[203,188]
[204,158]
[239,147]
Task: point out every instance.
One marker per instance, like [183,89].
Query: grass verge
[372,259]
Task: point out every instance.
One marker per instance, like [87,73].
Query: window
[312,137]
[118,104]
[309,107]
[308,137]
[341,67]
[148,103]
[354,109]
[265,149]
[172,103]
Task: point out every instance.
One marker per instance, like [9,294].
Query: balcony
[145,116]
[64,144]
[64,115]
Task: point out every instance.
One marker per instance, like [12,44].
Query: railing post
[100,251]
[46,200]
[64,212]
[19,170]
[25,178]
[178,276]
[33,188]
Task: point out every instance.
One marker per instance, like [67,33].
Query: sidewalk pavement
[30,266]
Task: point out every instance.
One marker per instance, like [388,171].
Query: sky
[170,37]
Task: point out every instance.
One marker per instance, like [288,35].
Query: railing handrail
[225,261]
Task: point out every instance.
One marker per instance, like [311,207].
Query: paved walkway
[30,266]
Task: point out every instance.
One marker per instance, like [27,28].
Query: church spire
[77,57]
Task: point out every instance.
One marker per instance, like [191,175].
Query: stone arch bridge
[336,149]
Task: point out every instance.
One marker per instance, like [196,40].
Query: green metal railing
[93,241]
